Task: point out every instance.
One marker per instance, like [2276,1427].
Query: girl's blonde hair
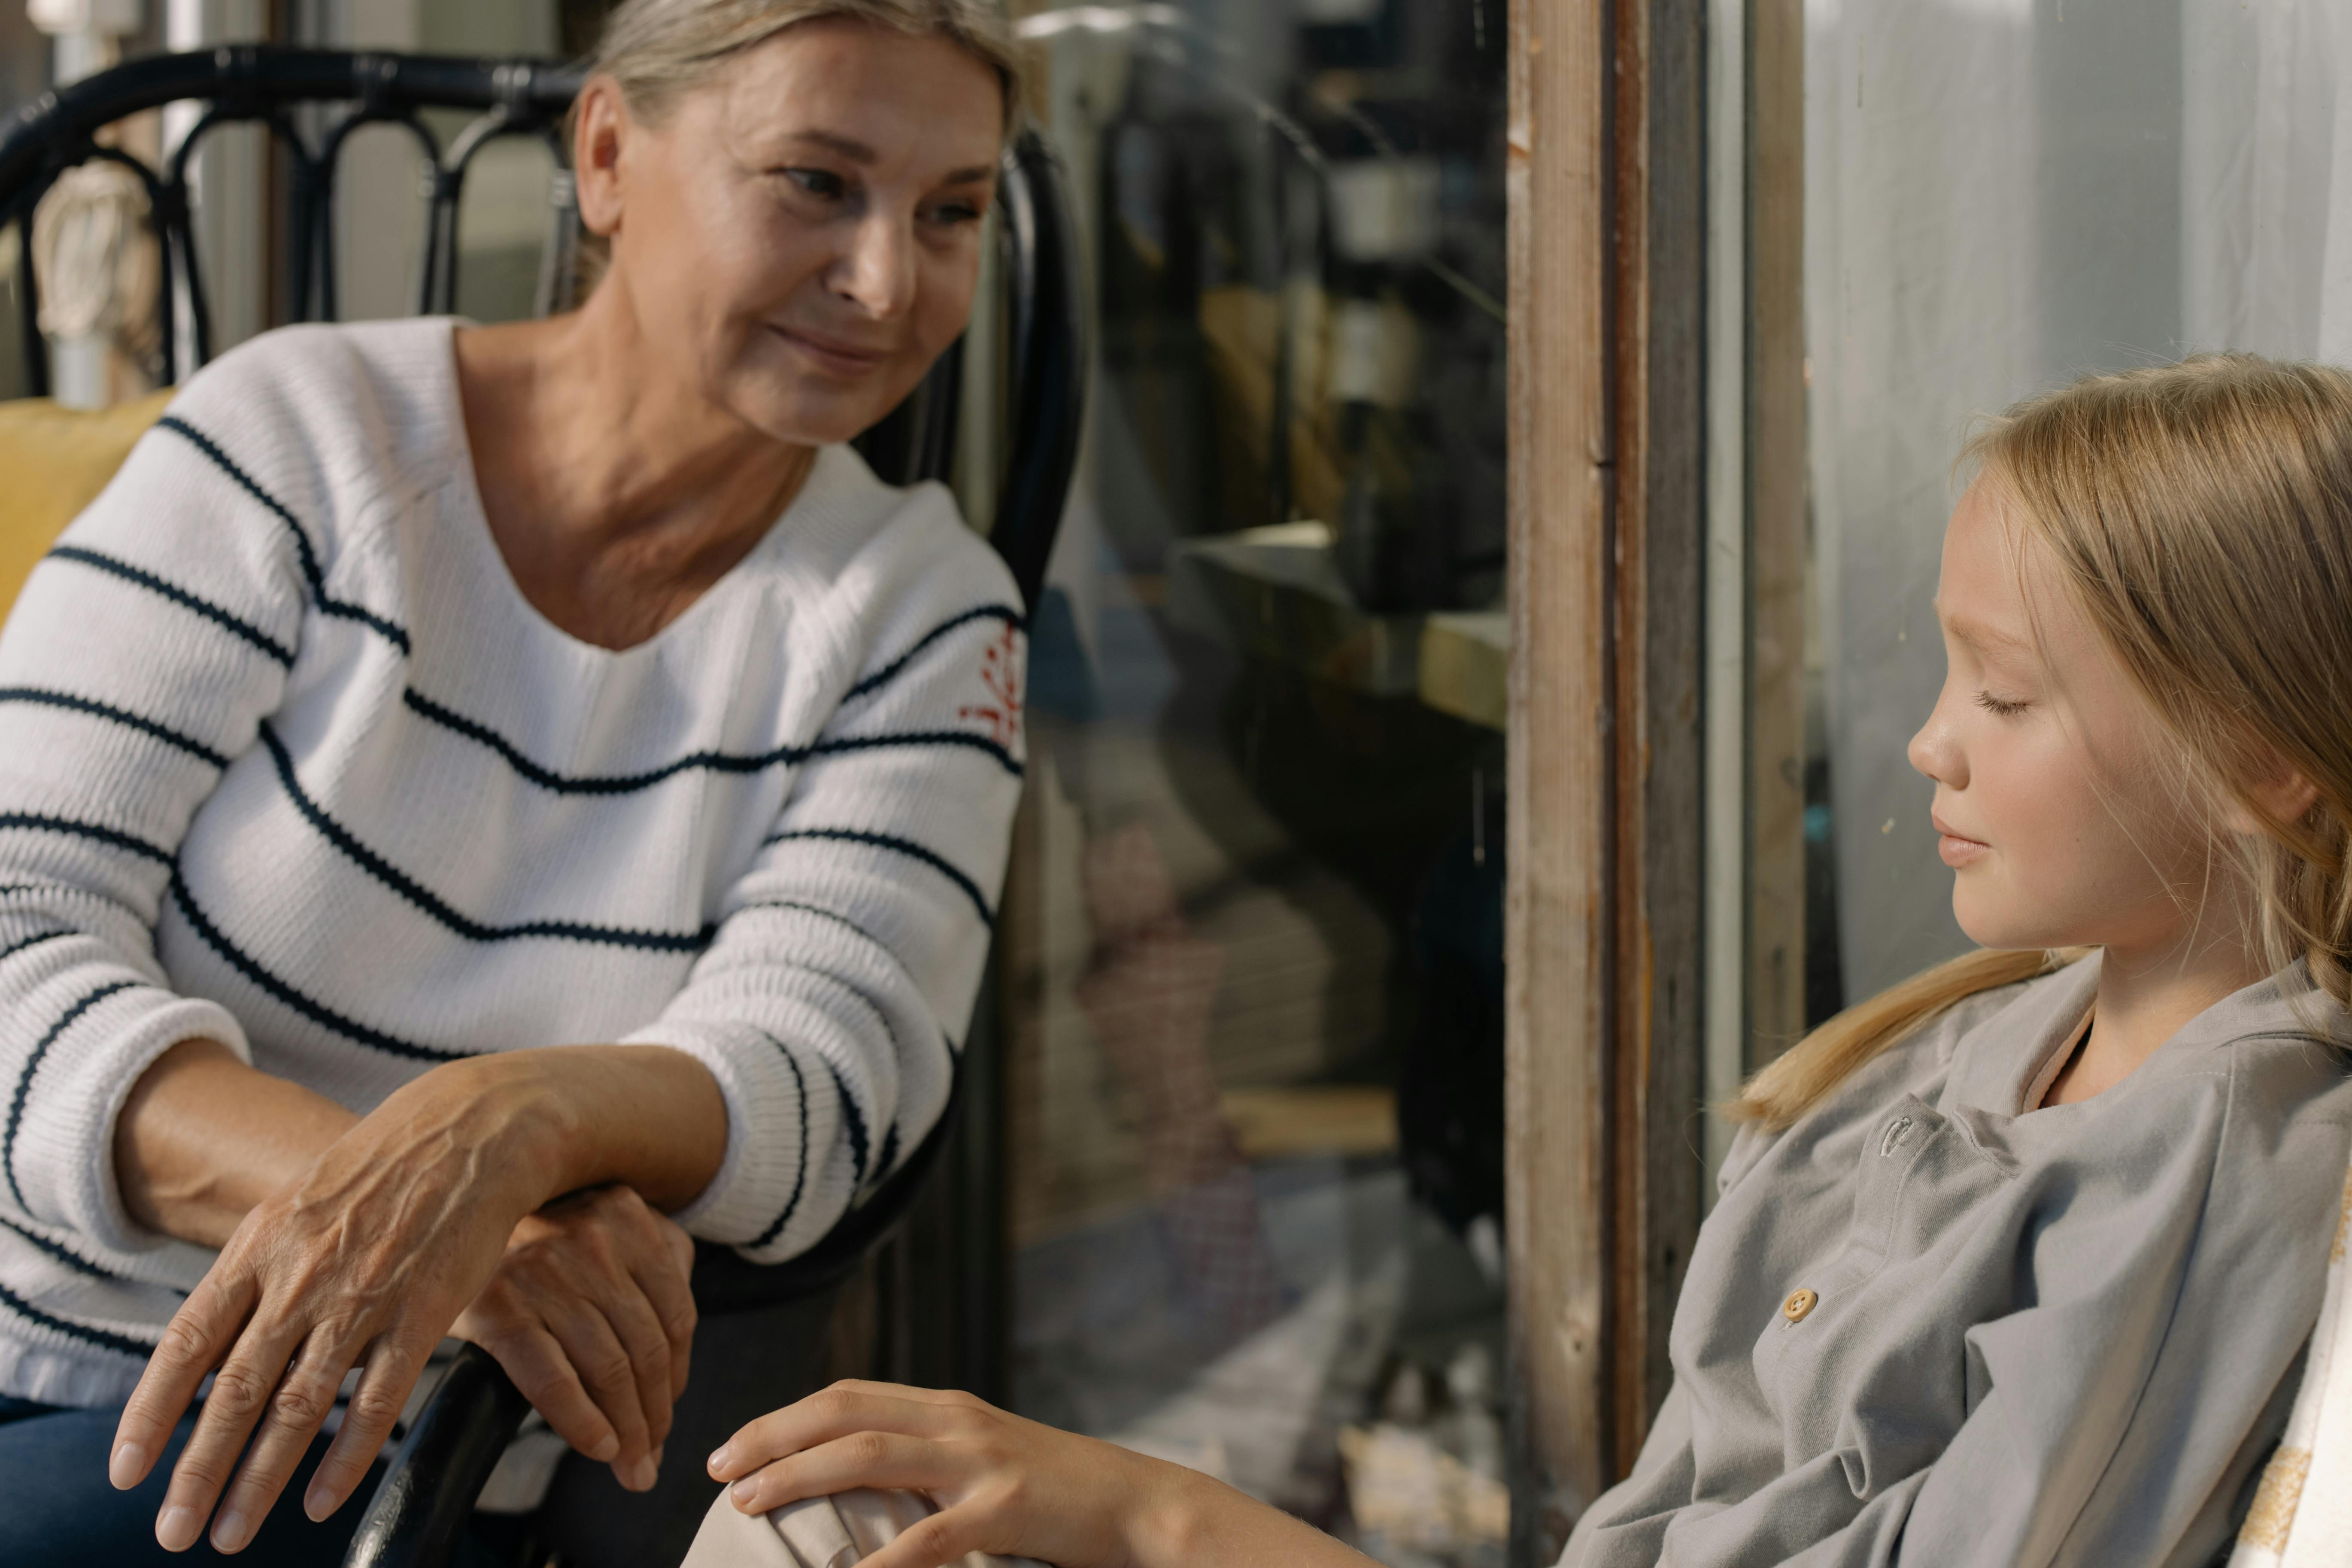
[659,50]
[2201,512]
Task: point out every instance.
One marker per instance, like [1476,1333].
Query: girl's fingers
[305,1396]
[241,1392]
[937,1541]
[197,1339]
[836,1412]
[545,1376]
[883,1461]
[603,1368]
[391,1367]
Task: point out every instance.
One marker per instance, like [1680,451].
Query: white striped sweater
[288,762]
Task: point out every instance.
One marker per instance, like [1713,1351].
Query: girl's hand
[1001,1484]
[592,1314]
[366,1259]
[1008,1485]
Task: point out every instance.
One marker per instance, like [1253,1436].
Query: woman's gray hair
[659,50]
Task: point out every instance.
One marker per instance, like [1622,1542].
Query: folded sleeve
[136,664]
[832,1004]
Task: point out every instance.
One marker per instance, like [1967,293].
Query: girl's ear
[2284,793]
[600,127]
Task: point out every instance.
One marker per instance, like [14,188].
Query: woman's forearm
[204,1137]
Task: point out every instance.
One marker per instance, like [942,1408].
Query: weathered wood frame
[1607,901]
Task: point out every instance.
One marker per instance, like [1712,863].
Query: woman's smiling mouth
[832,354]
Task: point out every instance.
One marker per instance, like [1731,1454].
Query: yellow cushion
[53,463]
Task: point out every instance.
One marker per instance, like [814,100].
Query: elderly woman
[467,792]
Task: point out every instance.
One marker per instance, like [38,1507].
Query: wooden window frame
[1610,902]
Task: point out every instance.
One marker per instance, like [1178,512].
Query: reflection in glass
[1253,927]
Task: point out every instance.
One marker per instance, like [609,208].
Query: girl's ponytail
[1806,1073]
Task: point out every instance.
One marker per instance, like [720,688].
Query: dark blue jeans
[58,1510]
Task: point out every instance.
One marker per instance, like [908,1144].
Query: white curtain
[2002,195]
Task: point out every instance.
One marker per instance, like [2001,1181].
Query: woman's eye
[822,183]
[950,214]
[2000,705]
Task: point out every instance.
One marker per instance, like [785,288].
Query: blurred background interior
[1233,1195]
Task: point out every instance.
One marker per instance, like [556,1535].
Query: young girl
[2014,1264]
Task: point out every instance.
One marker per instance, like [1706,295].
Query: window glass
[1253,927]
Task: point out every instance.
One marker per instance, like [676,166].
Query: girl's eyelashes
[2001,707]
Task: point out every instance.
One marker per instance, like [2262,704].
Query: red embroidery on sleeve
[1000,671]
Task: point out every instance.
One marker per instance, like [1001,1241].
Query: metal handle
[427,1493]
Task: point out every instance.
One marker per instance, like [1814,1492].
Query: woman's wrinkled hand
[365,1260]
[1001,1484]
[591,1312]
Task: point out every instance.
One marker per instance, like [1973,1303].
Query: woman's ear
[600,127]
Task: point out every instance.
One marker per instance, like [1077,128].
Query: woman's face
[800,238]
[2060,799]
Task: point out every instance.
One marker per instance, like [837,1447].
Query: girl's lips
[1958,852]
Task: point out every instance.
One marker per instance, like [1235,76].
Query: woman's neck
[617,493]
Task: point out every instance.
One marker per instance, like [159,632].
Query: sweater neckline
[824,474]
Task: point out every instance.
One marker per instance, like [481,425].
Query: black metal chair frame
[421,1507]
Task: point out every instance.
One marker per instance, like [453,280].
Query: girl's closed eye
[2002,707]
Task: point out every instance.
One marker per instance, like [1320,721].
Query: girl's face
[801,238]
[2060,799]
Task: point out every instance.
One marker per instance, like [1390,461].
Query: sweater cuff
[63,1160]
[767,1126]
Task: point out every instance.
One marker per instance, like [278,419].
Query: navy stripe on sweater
[800,1181]
[853,1118]
[555,782]
[837,918]
[899,846]
[40,696]
[73,1260]
[317,1012]
[312,574]
[114,837]
[235,624]
[22,944]
[890,671]
[25,1080]
[104,1338]
[432,904]
[36,822]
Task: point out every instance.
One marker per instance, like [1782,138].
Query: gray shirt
[2065,1337]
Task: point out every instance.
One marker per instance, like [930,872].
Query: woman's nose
[878,270]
